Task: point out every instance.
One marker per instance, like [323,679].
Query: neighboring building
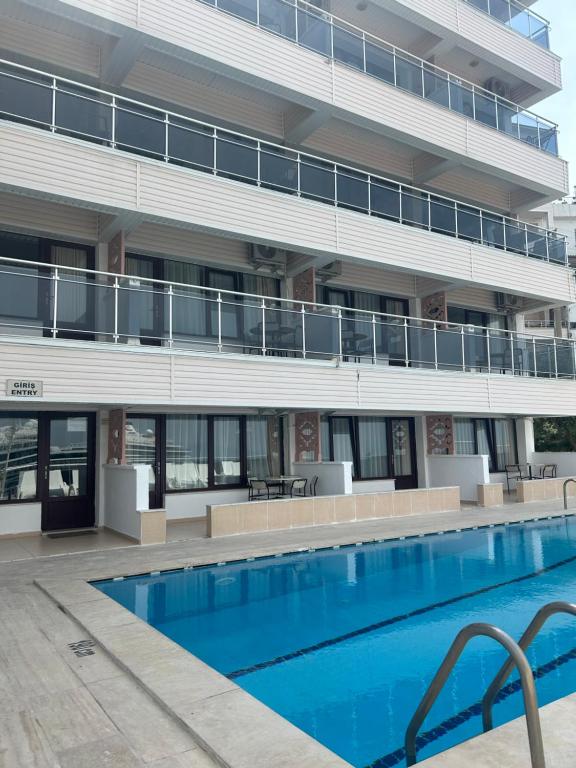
[561,217]
[240,233]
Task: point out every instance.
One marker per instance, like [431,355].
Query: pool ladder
[516,658]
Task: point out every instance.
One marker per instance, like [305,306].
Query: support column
[525,439]
[304,286]
[117,436]
[117,254]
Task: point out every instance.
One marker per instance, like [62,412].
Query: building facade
[239,234]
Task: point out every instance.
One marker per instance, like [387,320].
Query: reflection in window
[186,452]
[18,457]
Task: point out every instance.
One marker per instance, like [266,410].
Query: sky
[561,108]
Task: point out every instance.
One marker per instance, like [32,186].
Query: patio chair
[517,472]
[298,487]
[313,484]
[548,471]
[258,489]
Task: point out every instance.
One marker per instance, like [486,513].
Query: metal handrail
[437,684]
[565,490]
[525,641]
[524,9]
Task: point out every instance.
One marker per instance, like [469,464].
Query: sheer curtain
[343,445]
[263,446]
[227,469]
[464,437]
[73,288]
[504,431]
[188,305]
[373,447]
[186,452]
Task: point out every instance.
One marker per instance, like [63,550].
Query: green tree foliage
[555,434]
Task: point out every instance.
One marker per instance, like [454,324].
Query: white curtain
[72,289]
[373,447]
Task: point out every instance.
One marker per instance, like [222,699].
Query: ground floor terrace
[87,683]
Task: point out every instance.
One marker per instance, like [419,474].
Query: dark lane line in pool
[475,710]
[392,620]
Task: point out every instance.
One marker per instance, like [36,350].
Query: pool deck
[138,700]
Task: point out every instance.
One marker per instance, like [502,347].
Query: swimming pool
[343,642]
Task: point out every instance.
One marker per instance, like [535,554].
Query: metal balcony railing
[334,38]
[518,17]
[100,117]
[57,302]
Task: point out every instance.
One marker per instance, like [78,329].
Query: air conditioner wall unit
[498,87]
[267,256]
[507,301]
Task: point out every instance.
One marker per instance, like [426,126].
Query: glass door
[66,470]
[403,453]
[144,446]
[145,315]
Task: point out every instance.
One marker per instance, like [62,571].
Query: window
[263,446]
[495,438]
[186,452]
[227,458]
[18,456]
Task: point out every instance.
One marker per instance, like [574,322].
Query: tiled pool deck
[136,699]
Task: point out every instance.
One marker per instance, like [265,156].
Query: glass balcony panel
[245,9]
[520,19]
[515,236]
[549,138]
[85,307]
[282,329]
[528,129]
[278,168]
[475,349]
[436,88]
[352,190]
[279,17]
[191,144]
[236,156]
[357,337]
[314,32]
[409,76]
[421,344]
[385,200]
[493,230]
[502,351]
[482,5]
[485,109]
[322,332]
[83,113]
[507,119]
[142,311]
[557,248]
[240,320]
[442,216]
[537,243]
[25,100]
[415,209]
[461,99]
[379,63]
[20,291]
[449,346]
[348,47]
[500,9]
[190,316]
[390,340]
[140,129]
[469,225]
[539,32]
[524,355]
[545,363]
[317,180]
[565,358]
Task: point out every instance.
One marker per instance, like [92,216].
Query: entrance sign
[23,389]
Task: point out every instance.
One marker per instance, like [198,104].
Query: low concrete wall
[284,514]
[373,486]
[490,495]
[184,506]
[543,490]
[468,472]
[334,477]
[126,504]
[564,460]
[20,518]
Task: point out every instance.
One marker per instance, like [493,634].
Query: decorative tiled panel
[440,435]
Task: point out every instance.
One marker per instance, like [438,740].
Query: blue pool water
[343,642]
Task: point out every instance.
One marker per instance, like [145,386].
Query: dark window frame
[490,426]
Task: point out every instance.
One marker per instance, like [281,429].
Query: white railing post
[435,346]
[374,338]
[219,308]
[170,316]
[263,323]
[53,110]
[535,356]
[116,290]
[55,280]
[512,365]
[303,313]
[555,358]
[463,341]
[489,358]
[340,345]
[113,127]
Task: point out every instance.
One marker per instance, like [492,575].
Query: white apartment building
[239,234]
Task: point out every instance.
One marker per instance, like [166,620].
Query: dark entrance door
[144,446]
[403,453]
[66,470]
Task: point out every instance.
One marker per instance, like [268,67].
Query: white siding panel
[91,374]
[57,167]
[53,47]
[377,280]
[478,298]
[121,11]
[30,215]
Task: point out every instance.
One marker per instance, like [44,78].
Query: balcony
[127,312]
[519,18]
[335,39]
[101,118]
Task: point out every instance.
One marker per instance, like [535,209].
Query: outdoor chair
[548,471]
[298,487]
[258,489]
[313,484]
[517,472]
